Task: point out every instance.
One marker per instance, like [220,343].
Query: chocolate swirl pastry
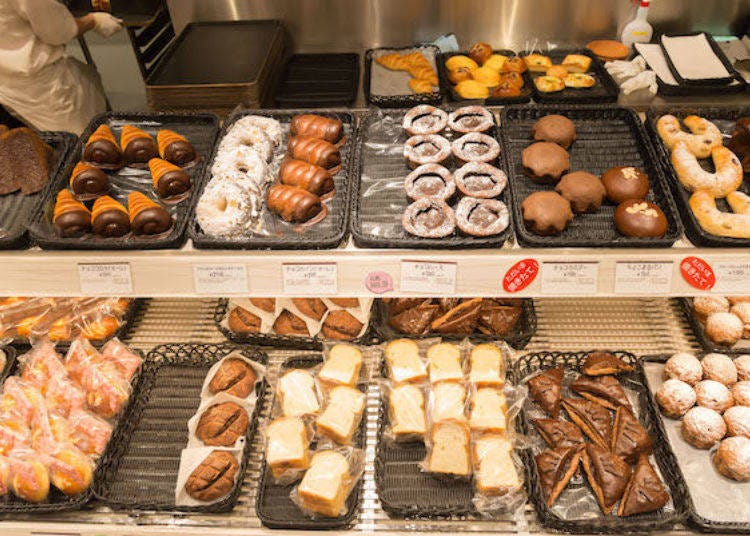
[429,218]
[429,180]
[175,148]
[102,149]
[478,179]
[294,204]
[424,119]
[475,147]
[70,217]
[426,149]
[482,217]
[315,151]
[146,216]
[317,126]
[471,119]
[88,181]
[305,175]
[109,219]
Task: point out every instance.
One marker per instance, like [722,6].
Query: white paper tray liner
[693,57]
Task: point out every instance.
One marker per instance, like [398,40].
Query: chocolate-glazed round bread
[545,162]
[556,129]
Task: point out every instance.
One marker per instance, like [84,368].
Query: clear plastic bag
[342,415]
[407,418]
[63,396]
[448,450]
[89,432]
[41,364]
[297,393]
[125,360]
[287,446]
[405,359]
[345,364]
[29,478]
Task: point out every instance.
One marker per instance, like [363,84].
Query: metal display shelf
[640,325]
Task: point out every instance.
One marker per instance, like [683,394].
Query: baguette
[341,417]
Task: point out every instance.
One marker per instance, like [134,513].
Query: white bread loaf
[444,362]
[342,415]
[286,445]
[448,401]
[404,362]
[450,449]
[495,473]
[407,414]
[324,487]
[342,365]
[487,367]
[488,409]
[296,394]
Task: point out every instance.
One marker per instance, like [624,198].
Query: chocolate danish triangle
[604,363]
[558,433]
[645,491]
[629,438]
[498,319]
[397,305]
[556,467]
[546,390]
[414,321]
[593,419]
[604,390]
[461,319]
[608,475]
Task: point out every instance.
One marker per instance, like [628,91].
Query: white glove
[106,25]
[644,80]
[622,70]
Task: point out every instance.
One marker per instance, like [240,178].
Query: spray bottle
[638,30]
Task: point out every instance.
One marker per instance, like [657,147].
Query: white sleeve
[50,20]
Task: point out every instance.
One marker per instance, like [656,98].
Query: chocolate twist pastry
[429,218]
[315,151]
[478,179]
[138,147]
[169,180]
[482,217]
[109,218]
[88,181]
[70,218]
[146,216]
[102,148]
[293,204]
[307,176]
[175,148]
[430,180]
[317,126]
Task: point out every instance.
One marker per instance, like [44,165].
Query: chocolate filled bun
[429,218]
[640,219]
[214,478]
[234,377]
[482,217]
[545,162]
[555,129]
[625,182]
[241,320]
[475,147]
[221,425]
[478,179]
[429,180]
[426,149]
[546,213]
[584,191]
[341,325]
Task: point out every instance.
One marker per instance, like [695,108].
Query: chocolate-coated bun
[73,224]
[140,151]
[180,153]
[152,221]
[556,129]
[111,223]
[102,152]
[584,191]
[546,213]
[545,162]
[640,218]
[173,183]
[90,181]
[625,182]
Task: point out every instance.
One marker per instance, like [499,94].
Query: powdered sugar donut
[241,163]
[737,419]
[713,395]
[251,136]
[703,428]
[719,367]
[741,393]
[706,305]
[724,328]
[675,398]
[270,126]
[685,367]
[742,364]
[225,208]
[732,458]
[742,311]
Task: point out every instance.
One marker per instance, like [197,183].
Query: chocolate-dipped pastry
[608,475]
[315,151]
[625,182]
[169,179]
[604,363]
[429,180]
[313,308]
[146,216]
[556,129]
[317,126]
[138,147]
[604,390]
[175,148]
[558,433]
[88,181]
[426,149]
[460,320]
[415,320]
[482,217]
[396,305]
[546,213]
[305,175]
[556,467]
[584,191]
[641,219]
[497,319]
[287,323]
[429,218]
[241,320]
[264,304]
[446,304]
[545,162]
[546,389]
[594,419]
[102,148]
[475,147]
[109,218]
[477,179]
[70,218]
[293,204]
[629,438]
[645,492]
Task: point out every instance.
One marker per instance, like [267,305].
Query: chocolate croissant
[317,126]
[315,151]
[70,218]
[175,148]
[138,147]
[146,216]
[305,175]
[109,218]
[293,204]
[101,148]
[169,180]
[88,180]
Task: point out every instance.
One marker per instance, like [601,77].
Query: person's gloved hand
[644,80]
[106,25]
[622,70]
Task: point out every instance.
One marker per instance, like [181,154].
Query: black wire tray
[686,304]
[399,101]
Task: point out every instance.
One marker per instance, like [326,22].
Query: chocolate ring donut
[429,180]
[429,218]
[482,217]
[477,179]
[426,149]
[425,119]
[471,119]
[475,147]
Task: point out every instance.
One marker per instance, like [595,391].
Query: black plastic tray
[594,522]
[274,506]
[693,230]
[700,82]
[400,101]
[141,473]
[325,234]
[523,98]
[199,129]
[16,209]
[700,332]
[604,91]
[378,165]
[318,81]
[518,338]
[607,136]
[286,341]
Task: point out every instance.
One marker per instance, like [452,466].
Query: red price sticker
[520,275]
[698,273]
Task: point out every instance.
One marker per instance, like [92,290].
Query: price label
[570,278]
[732,276]
[520,275]
[697,273]
[640,277]
[105,279]
[221,279]
[428,278]
[307,279]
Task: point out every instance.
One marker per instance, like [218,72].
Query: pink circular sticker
[379,282]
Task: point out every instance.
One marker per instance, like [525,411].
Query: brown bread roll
[213,478]
[221,425]
[234,377]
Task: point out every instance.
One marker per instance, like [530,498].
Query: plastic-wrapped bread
[407,413]
[146,216]
[70,218]
[449,449]
[102,148]
[70,470]
[138,147]
[342,415]
[488,409]
[404,361]
[486,365]
[287,446]
[29,479]
[297,394]
[89,432]
[125,360]
[175,148]
[342,365]
[169,179]
[325,486]
[448,402]
[444,362]
[495,472]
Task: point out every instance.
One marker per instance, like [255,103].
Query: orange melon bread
[146,216]
[169,180]
[70,218]
[109,218]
